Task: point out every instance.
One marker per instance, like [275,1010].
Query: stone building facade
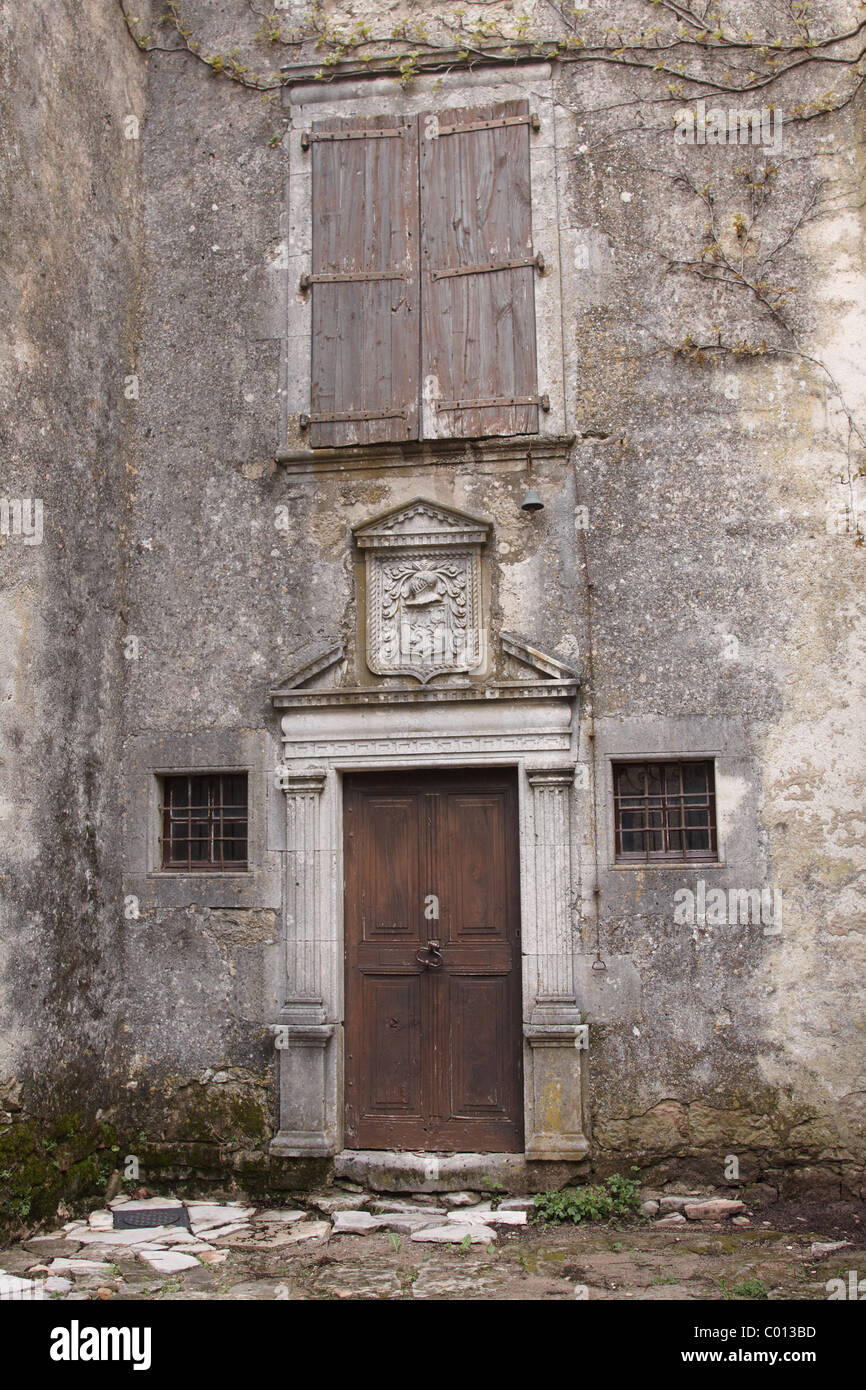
[281,568]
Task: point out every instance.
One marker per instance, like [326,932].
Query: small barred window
[204,822]
[665,811]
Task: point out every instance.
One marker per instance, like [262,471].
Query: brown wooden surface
[433,1056]
[365,350]
[478,331]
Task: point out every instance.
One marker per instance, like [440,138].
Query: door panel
[433,1035]
[392,1018]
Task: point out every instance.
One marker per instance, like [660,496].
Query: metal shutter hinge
[543,401]
[532,121]
[311,137]
[350,277]
[537,261]
[349,415]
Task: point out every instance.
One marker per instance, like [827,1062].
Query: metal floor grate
[152,1216]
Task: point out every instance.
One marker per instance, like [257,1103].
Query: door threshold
[386,1170]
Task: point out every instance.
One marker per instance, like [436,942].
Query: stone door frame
[526,725]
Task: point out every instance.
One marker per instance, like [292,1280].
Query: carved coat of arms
[423,589]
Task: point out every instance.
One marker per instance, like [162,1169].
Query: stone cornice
[426,453]
[427,695]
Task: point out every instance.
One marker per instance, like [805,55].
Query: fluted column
[302,1033]
[304,938]
[553,1029]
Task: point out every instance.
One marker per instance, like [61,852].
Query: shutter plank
[365,349]
[478,331]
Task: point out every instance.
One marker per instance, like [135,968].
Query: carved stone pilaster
[303,1033]
[304,998]
[553,1031]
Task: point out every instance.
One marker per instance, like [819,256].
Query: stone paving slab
[456,1233]
[426,1247]
[357,1223]
[280,1217]
[490,1218]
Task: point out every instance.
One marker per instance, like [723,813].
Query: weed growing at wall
[616,1199]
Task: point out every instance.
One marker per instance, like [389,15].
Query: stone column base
[304,1129]
[554,1112]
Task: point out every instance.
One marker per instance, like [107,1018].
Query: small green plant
[464,1244]
[747,1288]
[614,1199]
[394,1241]
[665,1279]
[408,1277]
[751,1288]
[496,1190]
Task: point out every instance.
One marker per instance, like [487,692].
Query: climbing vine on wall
[668,53]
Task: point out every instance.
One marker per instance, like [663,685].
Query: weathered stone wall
[711,591]
[70,276]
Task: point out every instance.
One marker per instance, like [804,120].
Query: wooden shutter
[478,326]
[364,281]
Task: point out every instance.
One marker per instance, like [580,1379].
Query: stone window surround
[152,757]
[722,740]
[678,755]
[383,96]
[532,732]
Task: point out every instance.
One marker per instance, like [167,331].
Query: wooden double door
[433,977]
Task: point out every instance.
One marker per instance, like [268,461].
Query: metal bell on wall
[531,500]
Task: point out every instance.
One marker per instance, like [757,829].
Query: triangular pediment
[311,661]
[420,522]
[543,663]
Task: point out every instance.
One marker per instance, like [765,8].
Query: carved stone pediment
[423,590]
[540,662]
[311,661]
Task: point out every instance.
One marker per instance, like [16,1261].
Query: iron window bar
[662,822]
[208,834]
[310,137]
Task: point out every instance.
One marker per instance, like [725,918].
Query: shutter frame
[364,282]
[478,338]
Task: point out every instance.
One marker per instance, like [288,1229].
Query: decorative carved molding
[423,579]
[469,745]
[419,524]
[426,695]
